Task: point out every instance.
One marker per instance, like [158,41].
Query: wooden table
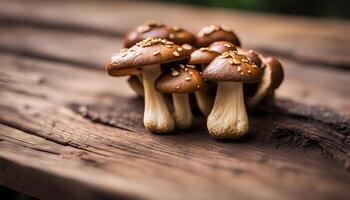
[67,131]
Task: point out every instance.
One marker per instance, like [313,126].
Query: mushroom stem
[262,90]
[136,85]
[182,111]
[156,117]
[204,101]
[228,118]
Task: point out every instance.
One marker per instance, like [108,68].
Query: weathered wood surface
[52,86]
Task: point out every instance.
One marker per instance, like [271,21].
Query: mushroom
[180,81]
[133,81]
[222,46]
[148,55]
[252,55]
[271,80]
[203,57]
[213,33]
[156,30]
[228,118]
[136,84]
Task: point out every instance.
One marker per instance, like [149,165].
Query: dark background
[318,8]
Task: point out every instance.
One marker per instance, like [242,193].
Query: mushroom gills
[228,118]
[182,111]
[157,117]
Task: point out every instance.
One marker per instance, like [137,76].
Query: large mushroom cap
[158,30]
[147,52]
[182,79]
[222,46]
[202,56]
[252,55]
[212,33]
[232,66]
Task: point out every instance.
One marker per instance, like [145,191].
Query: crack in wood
[33,132]
[314,128]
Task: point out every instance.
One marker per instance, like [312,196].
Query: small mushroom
[149,54]
[203,57]
[136,84]
[228,118]
[252,55]
[271,80]
[213,33]
[222,46]
[181,81]
[155,29]
[134,73]
[158,30]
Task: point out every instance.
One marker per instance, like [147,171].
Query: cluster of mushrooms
[224,77]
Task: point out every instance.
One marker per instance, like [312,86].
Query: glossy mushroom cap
[252,55]
[232,66]
[180,36]
[202,56]
[182,79]
[147,52]
[158,30]
[213,33]
[222,46]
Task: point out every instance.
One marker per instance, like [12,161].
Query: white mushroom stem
[157,117]
[263,89]
[182,111]
[204,101]
[228,118]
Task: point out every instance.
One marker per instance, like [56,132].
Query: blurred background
[339,9]
[318,8]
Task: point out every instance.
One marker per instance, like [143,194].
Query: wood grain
[313,41]
[277,158]
[308,83]
[67,131]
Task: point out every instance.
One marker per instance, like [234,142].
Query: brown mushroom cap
[158,30]
[232,66]
[222,46]
[277,74]
[212,33]
[252,55]
[180,36]
[202,56]
[182,79]
[147,52]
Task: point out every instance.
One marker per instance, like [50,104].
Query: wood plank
[303,81]
[58,82]
[306,83]
[277,160]
[308,40]
[58,45]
